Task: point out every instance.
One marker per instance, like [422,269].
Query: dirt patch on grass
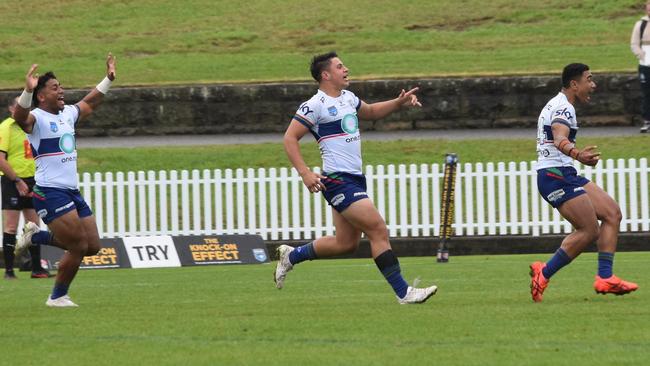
[139,53]
[452,25]
[626,12]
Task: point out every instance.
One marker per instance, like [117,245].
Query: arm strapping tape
[104,85]
[25,99]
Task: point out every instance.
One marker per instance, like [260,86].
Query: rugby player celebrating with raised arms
[50,128]
[331,117]
[579,201]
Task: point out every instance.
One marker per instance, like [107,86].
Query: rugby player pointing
[331,117]
[50,128]
[579,201]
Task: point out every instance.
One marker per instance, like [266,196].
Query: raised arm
[96,96]
[588,155]
[380,110]
[292,136]
[21,113]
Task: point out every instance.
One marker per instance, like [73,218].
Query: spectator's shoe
[283,266]
[614,285]
[645,127]
[25,240]
[60,302]
[42,273]
[417,295]
[538,282]
[10,276]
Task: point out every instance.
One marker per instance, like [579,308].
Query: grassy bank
[202,41]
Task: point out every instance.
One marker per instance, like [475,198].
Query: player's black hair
[572,72]
[320,63]
[42,80]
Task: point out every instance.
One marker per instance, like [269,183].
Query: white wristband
[25,99]
[104,86]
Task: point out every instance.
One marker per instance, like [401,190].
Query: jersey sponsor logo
[53,127]
[555,195]
[564,113]
[304,108]
[64,207]
[336,200]
[69,159]
[332,111]
[42,213]
[67,143]
[352,139]
[350,123]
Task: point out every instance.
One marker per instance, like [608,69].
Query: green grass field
[374,152]
[332,312]
[205,41]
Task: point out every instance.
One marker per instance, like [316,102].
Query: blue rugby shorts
[558,185]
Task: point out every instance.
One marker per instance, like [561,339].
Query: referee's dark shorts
[11,199]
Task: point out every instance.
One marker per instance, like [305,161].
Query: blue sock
[59,290]
[605,264]
[559,260]
[42,237]
[303,253]
[389,266]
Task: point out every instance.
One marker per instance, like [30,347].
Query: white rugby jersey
[557,110]
[334,124]
[54,148]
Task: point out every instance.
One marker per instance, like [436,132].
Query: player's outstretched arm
[96,96]
[292,136]
[21,113]
[380,110]
[588,155]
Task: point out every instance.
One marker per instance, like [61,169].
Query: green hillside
[205,41]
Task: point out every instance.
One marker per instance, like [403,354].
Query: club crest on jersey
[332,110]
[53,127]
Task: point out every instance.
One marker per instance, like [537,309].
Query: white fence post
[645,205]
[207,202]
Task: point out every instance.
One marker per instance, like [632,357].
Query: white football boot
[60,302]
[25,240]
[283,266]
[416,295]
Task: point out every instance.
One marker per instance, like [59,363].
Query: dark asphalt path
[193,140]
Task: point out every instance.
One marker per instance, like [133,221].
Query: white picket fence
[491,199]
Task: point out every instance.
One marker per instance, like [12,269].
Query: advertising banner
[151,251]
[111,255]
[220,249]
[167,251]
